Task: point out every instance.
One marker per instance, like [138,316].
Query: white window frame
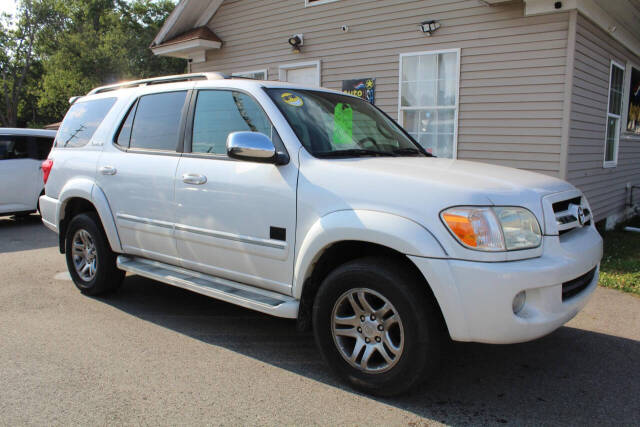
[317,3]
[616,141]
[457,106]
[244,73]
[282,69]
[624,133]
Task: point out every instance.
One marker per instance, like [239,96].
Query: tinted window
[81,121]
[219,113]
[124,136]
[13,147]
[157,121]
[23,147]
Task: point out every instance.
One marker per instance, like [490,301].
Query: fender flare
[393,231]
[87,189]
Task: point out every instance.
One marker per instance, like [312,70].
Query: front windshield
[334,125]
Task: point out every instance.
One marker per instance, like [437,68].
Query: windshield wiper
[411,151]
[353,152]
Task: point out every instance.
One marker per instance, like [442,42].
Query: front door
[137,175]
[234,219]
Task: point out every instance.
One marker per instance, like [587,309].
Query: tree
[18,54]
[103,41]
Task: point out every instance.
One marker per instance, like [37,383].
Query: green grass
[620,267]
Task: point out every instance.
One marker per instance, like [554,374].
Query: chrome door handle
[108,170]
[194,178]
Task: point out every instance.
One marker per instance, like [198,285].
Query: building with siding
[548,86]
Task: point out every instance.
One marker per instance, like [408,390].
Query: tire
[91,278]
[418,338]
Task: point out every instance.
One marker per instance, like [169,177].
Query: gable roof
[187,15]
[200,33]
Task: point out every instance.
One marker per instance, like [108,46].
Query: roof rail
[160,80]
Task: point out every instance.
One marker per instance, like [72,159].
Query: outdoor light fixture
[296,41]
[429,27]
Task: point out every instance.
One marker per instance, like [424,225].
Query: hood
[418,187]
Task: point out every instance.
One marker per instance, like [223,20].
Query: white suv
[307,203]
[21,154]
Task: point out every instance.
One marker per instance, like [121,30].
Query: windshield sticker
[342,124]
[292,99]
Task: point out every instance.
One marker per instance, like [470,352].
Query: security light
[296,41]
[429,27]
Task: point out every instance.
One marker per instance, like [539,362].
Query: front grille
[571,214]
[577,285]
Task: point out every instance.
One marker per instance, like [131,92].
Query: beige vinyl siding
[512,66]
[604,187]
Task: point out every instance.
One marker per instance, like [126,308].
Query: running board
[226,290]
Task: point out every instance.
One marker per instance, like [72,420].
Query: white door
[234,219]
[20,175]
[138,177]
[305,75]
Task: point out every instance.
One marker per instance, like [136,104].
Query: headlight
[493,228]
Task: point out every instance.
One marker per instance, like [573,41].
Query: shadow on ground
[573,376]
[24,233]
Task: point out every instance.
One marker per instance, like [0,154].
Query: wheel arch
[346,235]
[83,195]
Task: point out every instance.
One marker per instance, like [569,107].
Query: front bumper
[476,297]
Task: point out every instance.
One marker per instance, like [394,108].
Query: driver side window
[221,112]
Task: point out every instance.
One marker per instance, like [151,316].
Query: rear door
[137,174]
[237,219]
[18,173]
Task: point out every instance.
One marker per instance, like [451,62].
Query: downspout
[568,94]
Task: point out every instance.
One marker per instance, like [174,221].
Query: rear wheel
[90,261]
[377,327]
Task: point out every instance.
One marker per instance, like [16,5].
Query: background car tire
[424,329]
[107,277]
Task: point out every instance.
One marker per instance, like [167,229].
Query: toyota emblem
[581,216]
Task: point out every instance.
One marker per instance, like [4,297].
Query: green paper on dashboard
[342,124]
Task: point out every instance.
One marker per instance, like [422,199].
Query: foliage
[620,267]
[80,44]
[19,67]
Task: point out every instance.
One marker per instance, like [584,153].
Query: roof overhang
[617,17]
[194,50]
[187,15]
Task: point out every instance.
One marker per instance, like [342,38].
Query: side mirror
[251,146]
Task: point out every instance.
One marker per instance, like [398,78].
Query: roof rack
[160,80]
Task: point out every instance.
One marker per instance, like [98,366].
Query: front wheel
[377,327]
[90,261]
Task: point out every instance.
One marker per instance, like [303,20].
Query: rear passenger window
[13,147]
[221,112]
[81,121]
[157,121]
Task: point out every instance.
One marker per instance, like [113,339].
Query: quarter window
[81,121]
[612,139]
[156,125]
[124,135]
[221,112]
[429,99]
